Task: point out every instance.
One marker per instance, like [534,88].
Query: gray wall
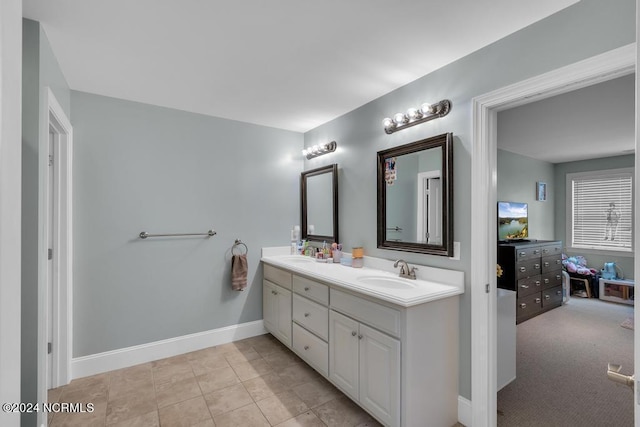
[561,39]
[140,167]
[517,177]
[561,171]
[40,70]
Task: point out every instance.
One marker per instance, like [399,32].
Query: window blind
[603,211]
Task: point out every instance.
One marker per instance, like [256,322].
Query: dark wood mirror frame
[333,170]
[446,247]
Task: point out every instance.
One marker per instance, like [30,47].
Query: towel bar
[144,234]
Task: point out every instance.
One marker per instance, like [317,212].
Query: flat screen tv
[513,221]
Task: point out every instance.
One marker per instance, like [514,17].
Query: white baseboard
[116,359]
[464,411]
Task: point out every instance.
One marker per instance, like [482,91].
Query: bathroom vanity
[390,344]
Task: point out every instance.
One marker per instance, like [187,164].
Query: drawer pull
[523,253]
[306,288]
[546,281]
[523,305]
[544,251]
[523,269]
[524,286]
[306,347]
[354,333]
[558,261]
[306,315]
[536,266]
[274,292]
[558,277]
[537,282]
[360,336]
[538,300]
[547,296]
[546,264]
[558,292]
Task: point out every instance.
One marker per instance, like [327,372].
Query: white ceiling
[289,64]
[589,123]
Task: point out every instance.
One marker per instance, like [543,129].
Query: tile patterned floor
[253,382]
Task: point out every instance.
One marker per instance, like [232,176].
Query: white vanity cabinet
[398,361]
[276,303]
[365,364]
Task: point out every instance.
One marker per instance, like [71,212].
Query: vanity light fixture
[319,150]
[415,116]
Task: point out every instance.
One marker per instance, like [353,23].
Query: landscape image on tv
[513,220]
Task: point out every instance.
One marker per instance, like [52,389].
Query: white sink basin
[386,282]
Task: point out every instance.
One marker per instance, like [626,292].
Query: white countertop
[405,292]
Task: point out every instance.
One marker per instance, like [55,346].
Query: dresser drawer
[311,349]
[551,279]
[277,276]
[527,268]
[525,254]
[376,315]
[311,315]
[528,306]
[552,297]
[551,263]
[311,289]
[551,249]
[529,286]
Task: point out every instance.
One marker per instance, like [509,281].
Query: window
[600,210]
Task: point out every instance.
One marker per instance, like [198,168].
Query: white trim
[10,204]
[125,357]
[464,411]
[600,68]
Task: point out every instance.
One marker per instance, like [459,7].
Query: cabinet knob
[354,333]
[274,292]
[523,305]
[306,347]
[306,288]
[359,337]
[306,315]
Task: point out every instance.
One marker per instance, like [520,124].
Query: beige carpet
[562,358]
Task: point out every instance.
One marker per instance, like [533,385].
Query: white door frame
[62,249]
[606,66]
[422,176]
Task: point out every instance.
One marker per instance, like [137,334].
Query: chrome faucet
[405,271]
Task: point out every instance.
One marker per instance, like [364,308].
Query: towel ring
[237,243]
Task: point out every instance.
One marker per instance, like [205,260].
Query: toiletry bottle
[295,235]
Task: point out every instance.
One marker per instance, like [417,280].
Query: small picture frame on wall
[541,191]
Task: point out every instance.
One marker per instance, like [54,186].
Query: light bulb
[400,118]
[315,148]
[413,114]
[304,152]
[387,123]
[426,108]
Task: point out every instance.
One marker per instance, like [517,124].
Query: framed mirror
[319,204]
[415,197]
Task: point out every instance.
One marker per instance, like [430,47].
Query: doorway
[54,350]
[603,67]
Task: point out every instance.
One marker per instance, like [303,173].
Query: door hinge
[49,347]
[49,254]
[50,159]
[486,288]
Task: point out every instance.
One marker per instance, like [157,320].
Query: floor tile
[92,381]
[280,359]
[247,416]
[281,407]
[86,419]
[186,413]
[227,399]
[174,392]
[317,392]
[207,364]
[217,379]
[297,373]
[308,419]
[236,357]
[172,372]
[149,419]
[342,412]
[124,389]
[265,386]
[251,369]
[129,407]
[89,394]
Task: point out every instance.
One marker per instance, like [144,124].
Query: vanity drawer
[376,315]
[277,276]
[311,349]
[311,289]
[311,315]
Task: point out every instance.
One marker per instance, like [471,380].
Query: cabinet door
[343,353]
[380,375]
[276,308]
[283,315]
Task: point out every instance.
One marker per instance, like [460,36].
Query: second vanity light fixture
[319,150]
[415,116]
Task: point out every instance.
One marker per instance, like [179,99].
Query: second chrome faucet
[405,271]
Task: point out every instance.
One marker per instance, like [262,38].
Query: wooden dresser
[534,270]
